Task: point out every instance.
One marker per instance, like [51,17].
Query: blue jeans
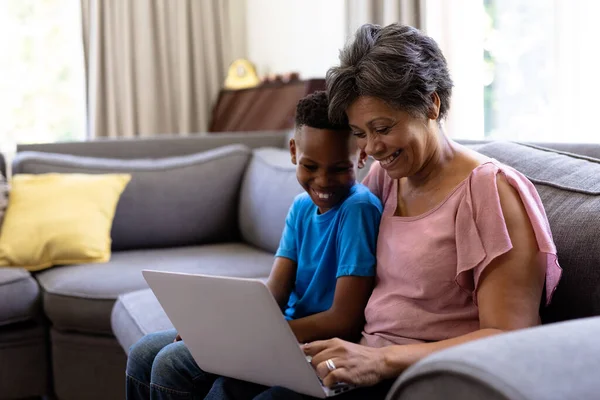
[158,369]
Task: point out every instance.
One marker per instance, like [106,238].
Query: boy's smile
[325,162]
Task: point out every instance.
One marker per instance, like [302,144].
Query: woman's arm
[366,366]
[345,317]
[509,296]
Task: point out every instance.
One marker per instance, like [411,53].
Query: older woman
[464,250]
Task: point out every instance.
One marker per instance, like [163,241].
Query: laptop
[233,327]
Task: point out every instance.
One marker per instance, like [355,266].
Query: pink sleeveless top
[428,266]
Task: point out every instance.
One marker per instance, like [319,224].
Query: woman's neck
[442,154]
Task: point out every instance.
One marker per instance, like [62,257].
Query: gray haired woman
[464,248]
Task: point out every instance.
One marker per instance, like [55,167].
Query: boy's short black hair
[313,111]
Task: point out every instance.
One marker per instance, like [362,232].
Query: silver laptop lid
[233,327]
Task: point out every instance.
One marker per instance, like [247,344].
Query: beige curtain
[384,12]
[156,66]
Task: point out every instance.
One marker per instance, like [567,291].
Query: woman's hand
[354,364]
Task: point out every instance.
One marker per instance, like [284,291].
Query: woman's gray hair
[397,64]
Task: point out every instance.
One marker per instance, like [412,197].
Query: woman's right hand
[355,364]
[177,338]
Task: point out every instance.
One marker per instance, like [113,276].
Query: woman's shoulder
[492,176]
[489,181]
[496,190]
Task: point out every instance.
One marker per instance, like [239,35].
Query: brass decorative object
[241,75]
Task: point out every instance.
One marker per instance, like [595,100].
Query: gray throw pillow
[268,190]
[175,201]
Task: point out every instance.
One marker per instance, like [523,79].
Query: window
[42,92]
[527,66]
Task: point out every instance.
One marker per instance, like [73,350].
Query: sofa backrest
[582,149]
[176,201]
[268,189]
[160,146]
[569,187]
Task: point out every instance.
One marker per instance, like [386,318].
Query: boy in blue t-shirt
[323,272]
[323,269]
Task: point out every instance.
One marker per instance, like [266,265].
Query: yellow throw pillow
[58,219]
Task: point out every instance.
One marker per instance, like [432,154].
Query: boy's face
[326,163]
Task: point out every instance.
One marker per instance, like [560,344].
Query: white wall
[295,35]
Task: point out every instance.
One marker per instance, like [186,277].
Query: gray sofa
[66,330]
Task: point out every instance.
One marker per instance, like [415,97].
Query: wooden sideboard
[270,106]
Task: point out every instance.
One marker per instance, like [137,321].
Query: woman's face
[399,141]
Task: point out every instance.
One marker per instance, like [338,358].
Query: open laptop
[233,327]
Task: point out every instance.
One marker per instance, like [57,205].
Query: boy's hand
[177,338]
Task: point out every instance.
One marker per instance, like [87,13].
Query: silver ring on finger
[330,364]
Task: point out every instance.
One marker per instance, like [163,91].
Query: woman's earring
[361,163]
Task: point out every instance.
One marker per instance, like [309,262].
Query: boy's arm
[283,274]
[345,318]
[281,280]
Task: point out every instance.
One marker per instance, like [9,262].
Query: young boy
[323,271]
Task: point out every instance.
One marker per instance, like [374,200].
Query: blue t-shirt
[340,242]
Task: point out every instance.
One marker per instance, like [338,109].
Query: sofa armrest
[19,296]
[557,361]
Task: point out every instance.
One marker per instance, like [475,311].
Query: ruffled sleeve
[481,230]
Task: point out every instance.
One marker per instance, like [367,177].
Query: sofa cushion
[166,202]
[136,314]
[81,297]
[268,190]
[569,187]
[19,296]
